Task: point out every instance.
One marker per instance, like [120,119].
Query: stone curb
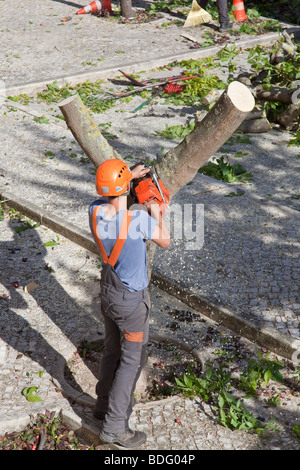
[134,67]
[263,335]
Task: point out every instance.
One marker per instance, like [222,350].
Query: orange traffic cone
[95,6]
[239,10]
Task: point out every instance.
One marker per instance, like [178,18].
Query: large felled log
[86,131]
[180,165]
[275,93]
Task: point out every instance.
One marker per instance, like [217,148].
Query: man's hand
[161,235]
[139,171]
[153,209]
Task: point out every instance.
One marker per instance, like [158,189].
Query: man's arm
[161,235]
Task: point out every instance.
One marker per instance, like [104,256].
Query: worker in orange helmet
[121,238]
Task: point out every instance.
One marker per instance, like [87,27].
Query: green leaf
[41,120]
[267,375]
[30,394]
[296,430]
[40,373]
[221,401]
[50,243]
[34,398]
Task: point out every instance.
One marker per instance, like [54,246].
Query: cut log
[288,119]
[256,114]
[245,79]
[276,93]
[255,126]
[180,165]
[86,131]
[285,50]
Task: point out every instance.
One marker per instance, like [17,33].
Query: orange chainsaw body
[150,188]
[147,190]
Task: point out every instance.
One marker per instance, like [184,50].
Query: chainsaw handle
[142,172]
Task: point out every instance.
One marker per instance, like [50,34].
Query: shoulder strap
[115,253]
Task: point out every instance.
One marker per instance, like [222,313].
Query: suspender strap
[115,253]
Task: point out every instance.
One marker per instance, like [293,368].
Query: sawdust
[165,362]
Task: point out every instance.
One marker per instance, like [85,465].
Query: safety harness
[115,253]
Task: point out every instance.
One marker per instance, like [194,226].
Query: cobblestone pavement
[41,335]
[246,274]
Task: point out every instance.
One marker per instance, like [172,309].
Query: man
[121,237]
[223,14]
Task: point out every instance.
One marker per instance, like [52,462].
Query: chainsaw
[149,188]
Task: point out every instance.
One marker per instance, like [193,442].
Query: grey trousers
[222,9]
[126,320]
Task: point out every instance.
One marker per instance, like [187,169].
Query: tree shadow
[46,323]
[257,249]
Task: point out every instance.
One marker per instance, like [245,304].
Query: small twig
[42,440]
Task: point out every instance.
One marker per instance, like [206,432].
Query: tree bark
[276,93]
[288,119]
[86,131]
[180,165]
[255,126]
[126,8]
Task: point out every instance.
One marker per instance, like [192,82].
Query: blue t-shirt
[131,265]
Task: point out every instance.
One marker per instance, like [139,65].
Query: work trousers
[222,9]
[126,320]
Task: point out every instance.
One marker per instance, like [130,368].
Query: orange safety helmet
[112,177]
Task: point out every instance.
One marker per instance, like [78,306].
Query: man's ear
[127,192]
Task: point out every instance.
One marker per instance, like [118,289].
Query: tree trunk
[180,165]
[126,8]
[86,131]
